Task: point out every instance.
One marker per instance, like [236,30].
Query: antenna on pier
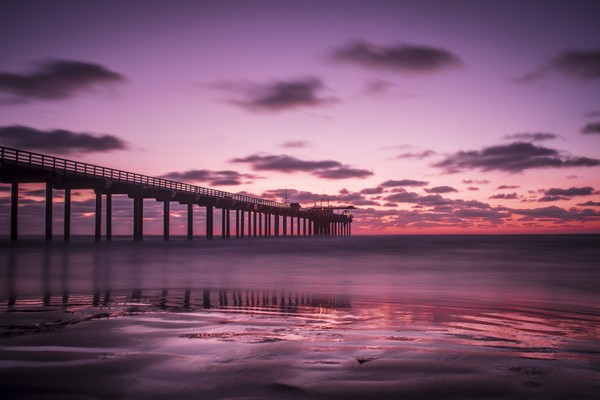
[285,194]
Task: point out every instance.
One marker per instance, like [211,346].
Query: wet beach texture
[430,317]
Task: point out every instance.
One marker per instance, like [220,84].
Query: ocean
[362,317]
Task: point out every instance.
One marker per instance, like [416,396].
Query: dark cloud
[548,199]
[590,204]
[343,173]
[557,214]
[56,80]
[573,191]
[441,189]
[507,187]
[213,178]
[416,156]
[476,181]
[509,196]
[403,182]
[292,144]
[472,188]
[592,127]
[280,95]
[58,141]
[375,190]
[326,169]
[534,137]
[401,57]
[514,157]
[581,64]
[285,163]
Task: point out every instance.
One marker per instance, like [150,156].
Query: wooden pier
[254,217]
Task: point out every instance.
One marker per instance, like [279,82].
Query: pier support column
[298,226]
[276,224]
[260,223]
[136,215]
[242,219]
[190,221]
[98,220]
[284,225]
[67,215]
[304,227]
[223,223]
[228,223]
[249,223]
[209,222]
[108,216]
[48,211]
[166,216]
[291,225]
[14,211]
[237,223]
[254,226]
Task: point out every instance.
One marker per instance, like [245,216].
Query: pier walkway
[254,217]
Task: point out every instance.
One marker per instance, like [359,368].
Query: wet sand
[153,348]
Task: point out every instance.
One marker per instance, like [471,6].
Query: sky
[448,116]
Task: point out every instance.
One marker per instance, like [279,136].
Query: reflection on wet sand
[147,322]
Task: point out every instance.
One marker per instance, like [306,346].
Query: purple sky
[430,116]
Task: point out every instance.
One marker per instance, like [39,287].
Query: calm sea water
[359,317]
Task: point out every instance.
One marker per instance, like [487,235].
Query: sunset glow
[429,117]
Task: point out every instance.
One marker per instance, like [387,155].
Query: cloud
[279,95]
[578,64]
[590,203]
[514,157]
[416,156]
[403,182]
[56,80]
[326,169]
[400,57]
[293,144]
[548,199]
[592,127]
[378,86]
[557,214]
[581,64]
[476,181]
[213,178]
[58,141]
[343,173]
[534,137]
[509,196]
[573,191]
[375,190]
[441,189]
[507,187]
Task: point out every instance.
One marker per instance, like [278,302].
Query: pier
[254,217]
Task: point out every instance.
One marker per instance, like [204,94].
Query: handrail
[63,165]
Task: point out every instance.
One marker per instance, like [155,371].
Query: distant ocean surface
[461,316]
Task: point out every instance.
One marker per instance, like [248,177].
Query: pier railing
[61,165]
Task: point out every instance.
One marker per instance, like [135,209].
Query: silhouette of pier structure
[254,217]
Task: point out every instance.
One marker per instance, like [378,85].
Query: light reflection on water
[503,317]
